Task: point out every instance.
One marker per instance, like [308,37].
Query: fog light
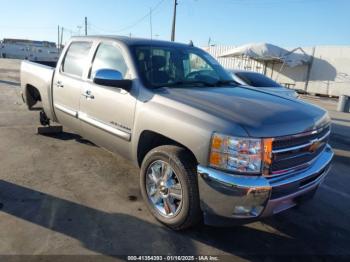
[247,211]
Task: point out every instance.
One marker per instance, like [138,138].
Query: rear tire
[167,172]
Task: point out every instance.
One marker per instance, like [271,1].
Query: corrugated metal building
[234,63]
[327,74]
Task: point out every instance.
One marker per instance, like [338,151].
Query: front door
[107,113]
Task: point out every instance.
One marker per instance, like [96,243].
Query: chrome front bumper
[243,197]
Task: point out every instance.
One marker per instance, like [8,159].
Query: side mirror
[110,77]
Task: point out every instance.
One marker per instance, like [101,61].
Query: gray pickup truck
[207,148]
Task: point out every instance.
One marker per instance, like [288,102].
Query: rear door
[68,84]
[107,113]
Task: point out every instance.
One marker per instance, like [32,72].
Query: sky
[288,23]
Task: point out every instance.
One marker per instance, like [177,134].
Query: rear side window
[108,57]
[76,58]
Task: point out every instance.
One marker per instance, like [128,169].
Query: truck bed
[36,84]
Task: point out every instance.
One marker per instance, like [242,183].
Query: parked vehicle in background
[38,51]
[261,82]
[206,147]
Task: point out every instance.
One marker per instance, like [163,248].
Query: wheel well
[32,95]
[149,140]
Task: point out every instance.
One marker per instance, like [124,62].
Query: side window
[156,64]
[108,57]
[195,63]
[76,58]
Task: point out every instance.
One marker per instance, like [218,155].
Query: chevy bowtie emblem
[314,146]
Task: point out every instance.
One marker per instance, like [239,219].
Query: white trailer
[37,51]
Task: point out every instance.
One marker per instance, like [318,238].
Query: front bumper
[228,196]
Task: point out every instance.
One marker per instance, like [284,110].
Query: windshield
[178,66]
[257,80]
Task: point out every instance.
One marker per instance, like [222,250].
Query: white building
[327,72]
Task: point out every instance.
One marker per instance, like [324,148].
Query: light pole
[85,25]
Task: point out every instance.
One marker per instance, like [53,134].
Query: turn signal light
[268,151]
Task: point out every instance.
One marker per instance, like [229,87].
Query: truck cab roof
[129,41]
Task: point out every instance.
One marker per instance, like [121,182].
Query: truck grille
[298,151]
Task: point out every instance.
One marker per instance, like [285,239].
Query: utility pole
[61,36]
[174,22]
[58,38]
[85,25]
[150,22]
[79,29]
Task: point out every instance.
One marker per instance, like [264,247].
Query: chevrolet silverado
[208,149]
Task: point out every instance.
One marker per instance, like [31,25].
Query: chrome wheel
[163,189]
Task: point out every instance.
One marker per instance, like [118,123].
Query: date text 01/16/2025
[173,258]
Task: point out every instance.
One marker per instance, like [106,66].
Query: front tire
[169,186]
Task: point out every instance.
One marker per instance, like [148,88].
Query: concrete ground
[62,195]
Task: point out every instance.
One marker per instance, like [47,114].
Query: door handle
[59,84]
[88,95]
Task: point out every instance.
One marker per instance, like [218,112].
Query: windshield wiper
[226,82]
[186,83]
[218,83]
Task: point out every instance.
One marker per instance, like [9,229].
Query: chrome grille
[301,139]
[298,151]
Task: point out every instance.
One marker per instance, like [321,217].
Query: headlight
[244,155]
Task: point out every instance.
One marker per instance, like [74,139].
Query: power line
[266,3]
[141,19]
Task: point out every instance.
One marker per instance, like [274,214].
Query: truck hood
[281,91]
[259,113]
